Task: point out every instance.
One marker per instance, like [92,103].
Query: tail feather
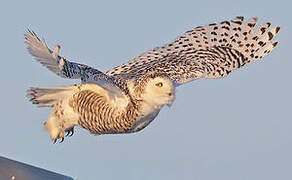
[47,97]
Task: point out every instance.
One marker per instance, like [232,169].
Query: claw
[60,136]
[62,139]
[70,132]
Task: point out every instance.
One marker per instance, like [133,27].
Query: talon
[71,132]
[62,139]
[54,141]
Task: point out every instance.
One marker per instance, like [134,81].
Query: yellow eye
[160,84]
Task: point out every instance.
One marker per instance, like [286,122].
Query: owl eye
[160,84]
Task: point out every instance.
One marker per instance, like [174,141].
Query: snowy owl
[128,97]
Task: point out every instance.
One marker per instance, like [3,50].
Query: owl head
[155,89]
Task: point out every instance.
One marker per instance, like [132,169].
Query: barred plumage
[128,97]
[104,119]
[210,51]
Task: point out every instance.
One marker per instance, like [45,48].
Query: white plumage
[128,97]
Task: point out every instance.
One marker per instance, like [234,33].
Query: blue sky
[238,127]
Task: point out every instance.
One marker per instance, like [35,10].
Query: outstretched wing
[51,59]
[210,51]
[66,69]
